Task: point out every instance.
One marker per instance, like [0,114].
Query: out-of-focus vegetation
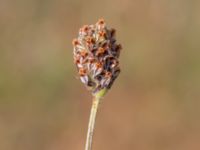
[153,105]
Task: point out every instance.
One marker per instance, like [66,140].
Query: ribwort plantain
[96,55]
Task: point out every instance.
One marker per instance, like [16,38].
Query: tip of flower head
[101,21]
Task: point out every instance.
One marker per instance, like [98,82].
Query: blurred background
[153,105]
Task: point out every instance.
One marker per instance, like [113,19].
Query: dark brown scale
[99,77]
[112,41]
[116,50]
[112,32]
[93,51]
[104,45]
[116,72]
[119,47]
[90,83]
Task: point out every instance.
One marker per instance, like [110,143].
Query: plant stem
[94,108]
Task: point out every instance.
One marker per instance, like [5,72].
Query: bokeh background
[153,105]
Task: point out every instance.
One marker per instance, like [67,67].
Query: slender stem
[95,104]
[94,108]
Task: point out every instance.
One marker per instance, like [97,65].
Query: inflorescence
[96,56]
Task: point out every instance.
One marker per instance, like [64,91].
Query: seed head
[96,56]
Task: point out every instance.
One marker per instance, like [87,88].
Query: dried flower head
[96,56]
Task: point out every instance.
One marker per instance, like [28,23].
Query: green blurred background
[153,105]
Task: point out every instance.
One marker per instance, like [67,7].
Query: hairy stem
[94,108]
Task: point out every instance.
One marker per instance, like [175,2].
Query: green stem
[94,108]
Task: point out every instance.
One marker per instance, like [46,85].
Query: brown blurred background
[153,105]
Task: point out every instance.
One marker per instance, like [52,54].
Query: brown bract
[96,55]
